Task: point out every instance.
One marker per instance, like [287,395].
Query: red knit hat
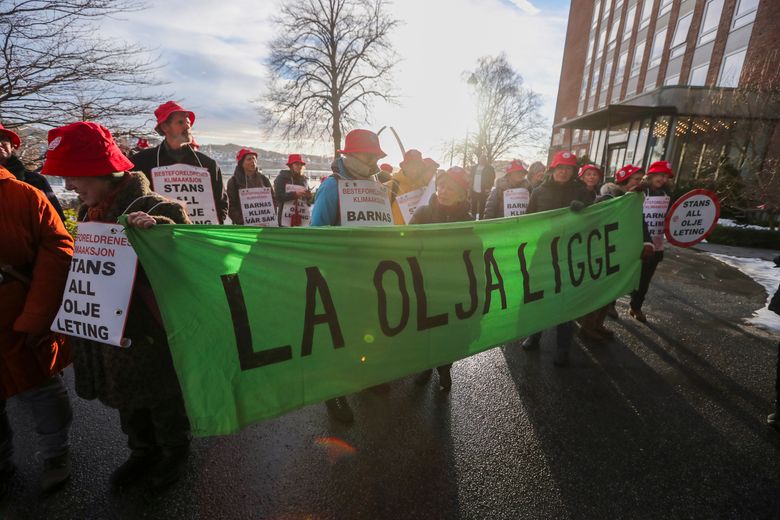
[387,168]
[516,166]
[83,150]
[590,167]
[244,152]
[624,173]
[165,110]
[459,176]
[661,167]
[358,141]
[16,141]
[295,158]
[564,159]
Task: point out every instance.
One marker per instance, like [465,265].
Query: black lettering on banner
[609,249]
[381,269]
[459,311]
[528,295]
[247,357]
[424,322]
[316,283]
[490,267]
[599,261]
[575,281]
[556,263]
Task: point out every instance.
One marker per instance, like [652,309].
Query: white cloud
[213,55]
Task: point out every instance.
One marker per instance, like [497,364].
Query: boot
[445,379]
[423,377]
[170,467]
[339,409]
[530,343]
[6,477]
[637,314]
[133,469]
[56,471]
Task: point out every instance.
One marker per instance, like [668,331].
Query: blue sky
[213,59]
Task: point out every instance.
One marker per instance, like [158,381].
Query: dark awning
[615,115]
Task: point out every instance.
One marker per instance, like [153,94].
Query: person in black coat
[449,204]
[174,123]
[10,141]
[562,189]
[246,175]
[294,175]
[515,178]
[482,178]
[774,306]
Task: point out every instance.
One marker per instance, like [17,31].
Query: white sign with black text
[257,207]
[364,203]
[191,186]
[516,202]
[299,205]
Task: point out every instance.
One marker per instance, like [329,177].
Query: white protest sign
[300,204]
[190,185]
[516,202]
[655,214]
[257,207]
[408,202]
[692,218]
[364,203]
[99,287]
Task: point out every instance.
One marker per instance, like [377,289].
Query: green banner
[262,321]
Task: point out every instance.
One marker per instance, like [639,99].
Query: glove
[577,206]
[647,252]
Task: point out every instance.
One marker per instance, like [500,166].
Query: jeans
[565,333]
[50,408]
[164,427]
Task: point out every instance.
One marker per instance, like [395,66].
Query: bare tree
[507,112]
[329,62]
[56,70]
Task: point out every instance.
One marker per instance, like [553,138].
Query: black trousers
[478,201]
[648,270]
[164,427]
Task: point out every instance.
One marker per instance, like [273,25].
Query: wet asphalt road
[666,421]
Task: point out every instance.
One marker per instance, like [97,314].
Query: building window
[681,35]
[666,6]
[647,8]
[658,48]
[617,83]
[614,29]
[710,21]
[731,69]
[629,27]
[744,13]
[590,47]
[672,80]
[595,83]
[600,43]
[699,75]
[636,64]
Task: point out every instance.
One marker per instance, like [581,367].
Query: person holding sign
[35,254]
[591,176]
[293,196]
[657,200]
[195,173]
[247,176]
[358,162]
[138,380]
[517,185]
[408,186]
[449,204]
[561,189]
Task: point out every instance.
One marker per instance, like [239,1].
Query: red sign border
[699,191]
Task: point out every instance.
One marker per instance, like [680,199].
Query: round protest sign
[692,218]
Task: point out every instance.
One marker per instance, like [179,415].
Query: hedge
[733,236]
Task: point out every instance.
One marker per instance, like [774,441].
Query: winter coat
[141,375]
[435,213]
[36,244]
[552,195]
[401,184]
[284,178]
[240,181]
[494,208]
[487,180]
[147,159]
[610,190]
[15,166]
[326,205]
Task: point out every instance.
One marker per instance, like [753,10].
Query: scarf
[359,169]
[99,212]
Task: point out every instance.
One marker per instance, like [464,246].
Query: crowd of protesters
[140,382]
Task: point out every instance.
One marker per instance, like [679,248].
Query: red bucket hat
[623,174]
[411,156]
[661,167]
[83,150]
[165,110]
[387,168]
[516,166]
[362,141]
[16,141]
[244,152]
[564,159]
[589,167]
[459,176]
[295,158]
